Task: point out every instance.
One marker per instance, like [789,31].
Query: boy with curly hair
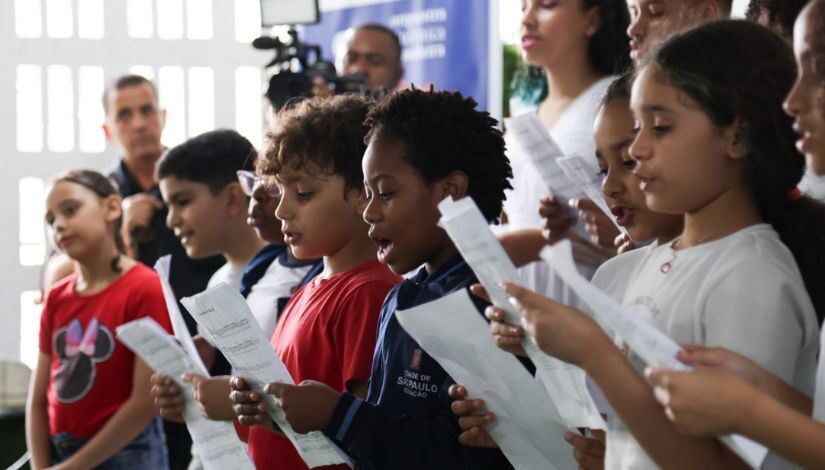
[326,332]
[423,147]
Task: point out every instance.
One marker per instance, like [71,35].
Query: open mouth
[623,215]
[384,247]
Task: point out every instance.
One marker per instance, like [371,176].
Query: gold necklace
[667,265]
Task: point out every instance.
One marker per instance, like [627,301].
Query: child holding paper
[721,151]
[613,133]
[207,211]
[327,330]
[712,400]
[218,206]
[89,403]
[423,147]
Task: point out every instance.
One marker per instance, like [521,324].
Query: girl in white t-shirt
[613,134]
[712,143]
[731,393]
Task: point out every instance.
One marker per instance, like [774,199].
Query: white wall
[57,54]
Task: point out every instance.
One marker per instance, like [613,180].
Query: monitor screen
[285,12]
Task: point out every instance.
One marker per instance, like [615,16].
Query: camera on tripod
[297,64]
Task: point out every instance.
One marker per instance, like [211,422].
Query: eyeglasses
[250,181]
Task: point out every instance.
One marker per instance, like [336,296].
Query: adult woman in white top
[573,48]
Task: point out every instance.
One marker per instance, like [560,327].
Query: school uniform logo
[79,352]
[413,381]
[415,363]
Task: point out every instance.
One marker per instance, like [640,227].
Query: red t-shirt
[326,333]
[91,373]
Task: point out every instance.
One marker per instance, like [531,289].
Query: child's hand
[506,335]
[472,424]
[212,393]
[559,330]
[727,360]
[167,397]
[206,351]
[558,219]
[704,402]
[588,451]
[602,230]
[307,406]
[623,243]
[511,336]
[247,404]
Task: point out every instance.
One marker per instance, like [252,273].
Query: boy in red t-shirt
[327,331]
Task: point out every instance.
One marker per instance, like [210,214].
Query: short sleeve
[758,311]
[354,329]
[46,318]
[149,301]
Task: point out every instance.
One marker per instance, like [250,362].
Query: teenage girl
[89,403]
[731,393]
[712,143]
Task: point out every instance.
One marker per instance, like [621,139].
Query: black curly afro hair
[442,132]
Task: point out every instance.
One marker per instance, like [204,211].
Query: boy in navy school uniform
[423,147]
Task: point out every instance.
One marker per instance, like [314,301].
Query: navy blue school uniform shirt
[406,420]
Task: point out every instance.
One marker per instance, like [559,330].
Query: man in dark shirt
[134,122]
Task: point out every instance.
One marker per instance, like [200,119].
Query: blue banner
[444,42]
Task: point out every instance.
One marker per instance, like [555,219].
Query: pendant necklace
[667,265]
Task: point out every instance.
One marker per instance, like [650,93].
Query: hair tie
[795,194]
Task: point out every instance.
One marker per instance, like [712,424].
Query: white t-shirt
[573,133]
[612,278]
[277,282]
[228,274]
[743,292]
[819,397]
[813,185]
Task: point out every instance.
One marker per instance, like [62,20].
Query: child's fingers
[703,356]
[467,422]
[506,330]
[168,401]
[463,408]
[479,291]
[585,444]
[476,437]
[249,410]
[585,205]
[238,383]
[588,452]
[164,390]
[457,392]
[242,398]
[494,313]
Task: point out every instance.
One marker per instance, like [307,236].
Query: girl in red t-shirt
[89,403]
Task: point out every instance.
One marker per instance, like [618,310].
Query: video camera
[296,64]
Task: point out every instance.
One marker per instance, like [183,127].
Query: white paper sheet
[527,425]
[648,342]
[216,442]
[565,383]
[590,181]
[531,136]
[178,323]
[223,312]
